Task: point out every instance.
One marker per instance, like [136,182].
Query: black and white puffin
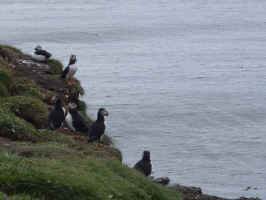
[57,115]
[70,70]
[97,129]
[40,54]
[144,165]
[74,120]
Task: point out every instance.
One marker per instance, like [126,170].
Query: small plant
[56,66]
[31,109]
[3,91]
[3,196]
[11,48]
[13,127]
[26,88]
[5,78]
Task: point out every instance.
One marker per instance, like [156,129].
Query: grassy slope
[41,164]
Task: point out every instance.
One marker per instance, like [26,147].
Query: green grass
[5,78]
[77,179]
[30,109]
[51,150]
[56,66]
[11,48]
[82,108]
[13,127]
[3,91]
[3,196]
[24,87]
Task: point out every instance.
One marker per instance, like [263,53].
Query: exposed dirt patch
[5,141]
[40,73]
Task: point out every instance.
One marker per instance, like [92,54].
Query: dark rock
[188,190]
[162,180]
[195,193]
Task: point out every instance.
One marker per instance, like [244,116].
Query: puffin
[144,165]
[97,128]
[70,70]
[40,54]
[74,120]
[57,115]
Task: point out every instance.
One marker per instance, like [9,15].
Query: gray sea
[185,79]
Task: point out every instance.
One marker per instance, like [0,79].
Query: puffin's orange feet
[58,129]
[99,145]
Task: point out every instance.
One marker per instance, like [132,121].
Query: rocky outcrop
[195,193]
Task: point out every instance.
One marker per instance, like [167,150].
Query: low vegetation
[56,66]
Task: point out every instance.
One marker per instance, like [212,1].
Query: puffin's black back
[144,165]
[56,116]
[96,130]
[43,53]
[78,122]
[64,73]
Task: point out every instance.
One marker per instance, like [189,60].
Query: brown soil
[40,73]
[5,141]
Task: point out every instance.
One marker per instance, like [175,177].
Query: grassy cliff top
[36,163]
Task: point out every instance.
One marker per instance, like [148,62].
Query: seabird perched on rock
[144,165]
[74,120]
[40,54]
[57,115]
[97,129]
[70,70]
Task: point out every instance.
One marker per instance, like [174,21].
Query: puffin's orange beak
[69,83]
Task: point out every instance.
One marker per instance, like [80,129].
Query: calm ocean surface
[185,79]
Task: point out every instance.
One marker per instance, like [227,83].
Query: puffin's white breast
[69,121]
[38,57]
[72,70]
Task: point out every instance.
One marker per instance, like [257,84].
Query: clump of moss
[106,140]
[46,149]
[77,86]
[11,48]
[5,78]
[26,88]
[21,197]
[82,105]
[3,196]
[3,91]
[56,66]
[44,135]
[11,53]
[31,109]
[13,127]
[82,108]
